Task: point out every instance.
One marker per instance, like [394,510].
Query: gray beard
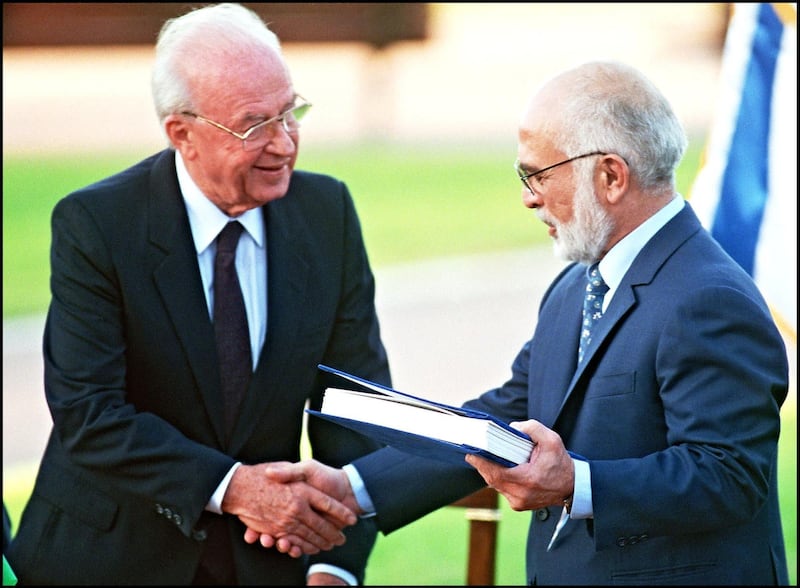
[585,237]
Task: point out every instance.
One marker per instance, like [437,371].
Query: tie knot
[596,284]
[228,237]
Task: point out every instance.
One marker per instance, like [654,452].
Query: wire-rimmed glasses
[257,136]
[523,176]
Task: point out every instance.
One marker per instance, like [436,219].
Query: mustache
[543,216]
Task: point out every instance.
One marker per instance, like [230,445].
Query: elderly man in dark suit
[151,475]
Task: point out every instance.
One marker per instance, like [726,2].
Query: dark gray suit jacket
[676,409]
[131,380]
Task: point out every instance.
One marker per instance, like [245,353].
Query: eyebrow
[527,169]
[259,117]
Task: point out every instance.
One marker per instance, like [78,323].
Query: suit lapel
[556,343]
[177,278]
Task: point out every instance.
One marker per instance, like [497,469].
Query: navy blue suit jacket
[676,409]
[131,380]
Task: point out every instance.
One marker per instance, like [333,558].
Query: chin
[270,196]
[270,192]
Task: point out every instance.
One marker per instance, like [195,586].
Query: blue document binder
[422,445]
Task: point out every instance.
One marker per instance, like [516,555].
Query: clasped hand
[298,512]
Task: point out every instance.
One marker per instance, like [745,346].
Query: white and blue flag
[746,190]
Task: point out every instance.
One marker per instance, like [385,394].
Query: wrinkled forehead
[249,62]
[243,75]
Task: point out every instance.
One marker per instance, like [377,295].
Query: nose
[282,141]
[530,199]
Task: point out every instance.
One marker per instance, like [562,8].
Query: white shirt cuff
[582,497]
[360,491]
[333,571]
[215,502]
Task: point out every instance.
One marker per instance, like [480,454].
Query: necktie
[230,324]
[596,289]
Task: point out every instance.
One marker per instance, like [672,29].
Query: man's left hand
[545,480]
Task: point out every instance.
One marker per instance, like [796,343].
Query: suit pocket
[698,574]
[611,385]
[75,497]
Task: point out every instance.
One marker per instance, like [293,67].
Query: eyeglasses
[524,176]
[257,136]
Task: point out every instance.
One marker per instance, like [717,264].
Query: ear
[614,178]
[179,131]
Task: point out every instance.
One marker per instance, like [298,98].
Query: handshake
[301,508]
[298,508]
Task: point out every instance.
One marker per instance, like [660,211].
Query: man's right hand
[288,506]
[332,482]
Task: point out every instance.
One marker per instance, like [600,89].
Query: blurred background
[77,74]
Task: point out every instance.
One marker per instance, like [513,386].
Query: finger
[295,547]
[291,545]
[320,532]
[309,540]
[532,427]
[334,511]
[479,462]
[308,525]
[251,536]
[285,472]
[488,469]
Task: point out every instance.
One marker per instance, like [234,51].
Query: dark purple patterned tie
[230,324]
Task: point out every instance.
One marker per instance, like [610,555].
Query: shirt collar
[619,259]
[205,219]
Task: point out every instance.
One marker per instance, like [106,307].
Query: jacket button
[622,541]
[199,535]
[543,514]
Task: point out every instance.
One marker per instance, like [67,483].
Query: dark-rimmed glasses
[257,136]
[524,176]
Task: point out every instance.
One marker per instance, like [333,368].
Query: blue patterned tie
[596,289]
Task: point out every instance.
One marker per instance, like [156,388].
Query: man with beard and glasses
[656,415]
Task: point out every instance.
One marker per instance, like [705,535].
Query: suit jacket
[676,409]
[131,379]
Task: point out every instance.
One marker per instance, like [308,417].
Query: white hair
[189,42]
[614,108]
